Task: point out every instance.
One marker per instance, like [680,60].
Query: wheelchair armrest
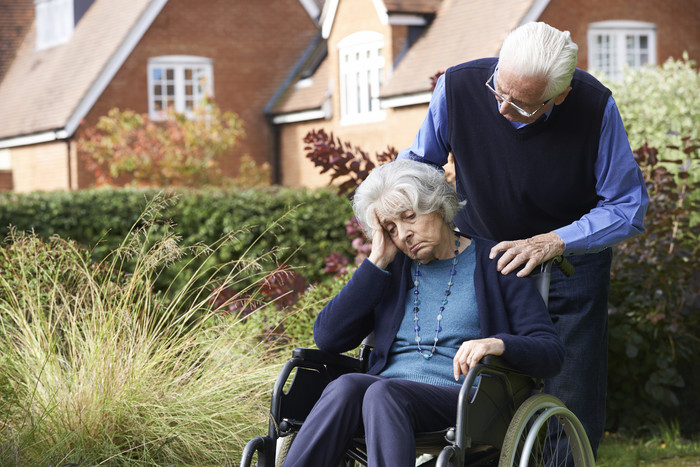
[328,358]
[498,363]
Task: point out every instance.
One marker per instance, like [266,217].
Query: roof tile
[42,89]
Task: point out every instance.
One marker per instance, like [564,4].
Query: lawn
[668,448]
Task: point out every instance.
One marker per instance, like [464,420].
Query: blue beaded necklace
[416,304]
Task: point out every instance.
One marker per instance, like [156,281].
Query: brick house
[77,59]
[358,68]
[409,41]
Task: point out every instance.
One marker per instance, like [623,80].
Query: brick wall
[397,130]
[5,180]
[677,22]
[253,45]
[52,158]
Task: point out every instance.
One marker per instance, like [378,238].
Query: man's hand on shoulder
[529,252]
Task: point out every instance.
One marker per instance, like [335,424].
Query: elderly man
[542,157]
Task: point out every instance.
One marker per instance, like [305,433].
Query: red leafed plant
[346,163]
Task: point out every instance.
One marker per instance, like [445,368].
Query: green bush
[657,104]
[654,299]
[301,226]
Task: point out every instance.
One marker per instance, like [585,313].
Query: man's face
[525,92]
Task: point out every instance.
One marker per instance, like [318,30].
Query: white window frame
[54,22]
[180,82]
[622,47]
[362,62]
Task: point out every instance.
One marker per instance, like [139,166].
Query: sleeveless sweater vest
[522,182]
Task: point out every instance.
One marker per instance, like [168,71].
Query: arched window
[612,45]
[178,82]
[361,65]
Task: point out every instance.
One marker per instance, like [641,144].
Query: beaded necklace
[416,304]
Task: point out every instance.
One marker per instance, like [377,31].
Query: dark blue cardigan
[510,308]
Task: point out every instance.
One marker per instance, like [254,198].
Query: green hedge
[305,225]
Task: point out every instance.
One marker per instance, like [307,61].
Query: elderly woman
[437,305]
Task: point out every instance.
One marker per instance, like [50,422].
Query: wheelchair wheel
[543,432]
[286,443]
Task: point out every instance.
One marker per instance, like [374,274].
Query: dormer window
[54,22]
[361,71]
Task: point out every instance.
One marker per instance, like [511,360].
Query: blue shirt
[619,182]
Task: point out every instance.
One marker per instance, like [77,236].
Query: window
[178,82]
[54,22]
[361,69]
[612,45]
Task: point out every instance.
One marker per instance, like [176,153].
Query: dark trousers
[388,411]
[578,306]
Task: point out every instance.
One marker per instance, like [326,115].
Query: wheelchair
[503,416]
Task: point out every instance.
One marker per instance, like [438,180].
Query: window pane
[170,74]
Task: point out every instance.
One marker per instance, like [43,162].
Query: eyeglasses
[501,99]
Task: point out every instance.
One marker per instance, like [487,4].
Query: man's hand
[530,252]
[470,352]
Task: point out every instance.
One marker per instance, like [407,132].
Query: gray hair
[400,186]
[539,50]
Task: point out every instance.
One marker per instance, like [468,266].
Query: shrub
[303,226]
[100,369]
[655,295]
[657,104]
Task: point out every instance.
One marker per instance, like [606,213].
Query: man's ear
[560,98]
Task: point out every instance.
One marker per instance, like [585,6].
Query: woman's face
[423,237]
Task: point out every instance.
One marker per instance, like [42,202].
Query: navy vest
[520,183]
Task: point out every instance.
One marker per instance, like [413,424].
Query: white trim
[405,100]
[403,19]
[381,11]
[36,138]
[311,9]
[535,11]
[302,116]
[328,16]
[114,64]
[5,159]
[622,24]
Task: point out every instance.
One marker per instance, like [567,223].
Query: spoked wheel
[544,432]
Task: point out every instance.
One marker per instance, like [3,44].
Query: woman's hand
[383,248]
[470,352]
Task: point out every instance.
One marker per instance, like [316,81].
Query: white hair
[539,50]
[403,185]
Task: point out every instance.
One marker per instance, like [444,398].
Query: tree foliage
[655,296]
[178,151]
